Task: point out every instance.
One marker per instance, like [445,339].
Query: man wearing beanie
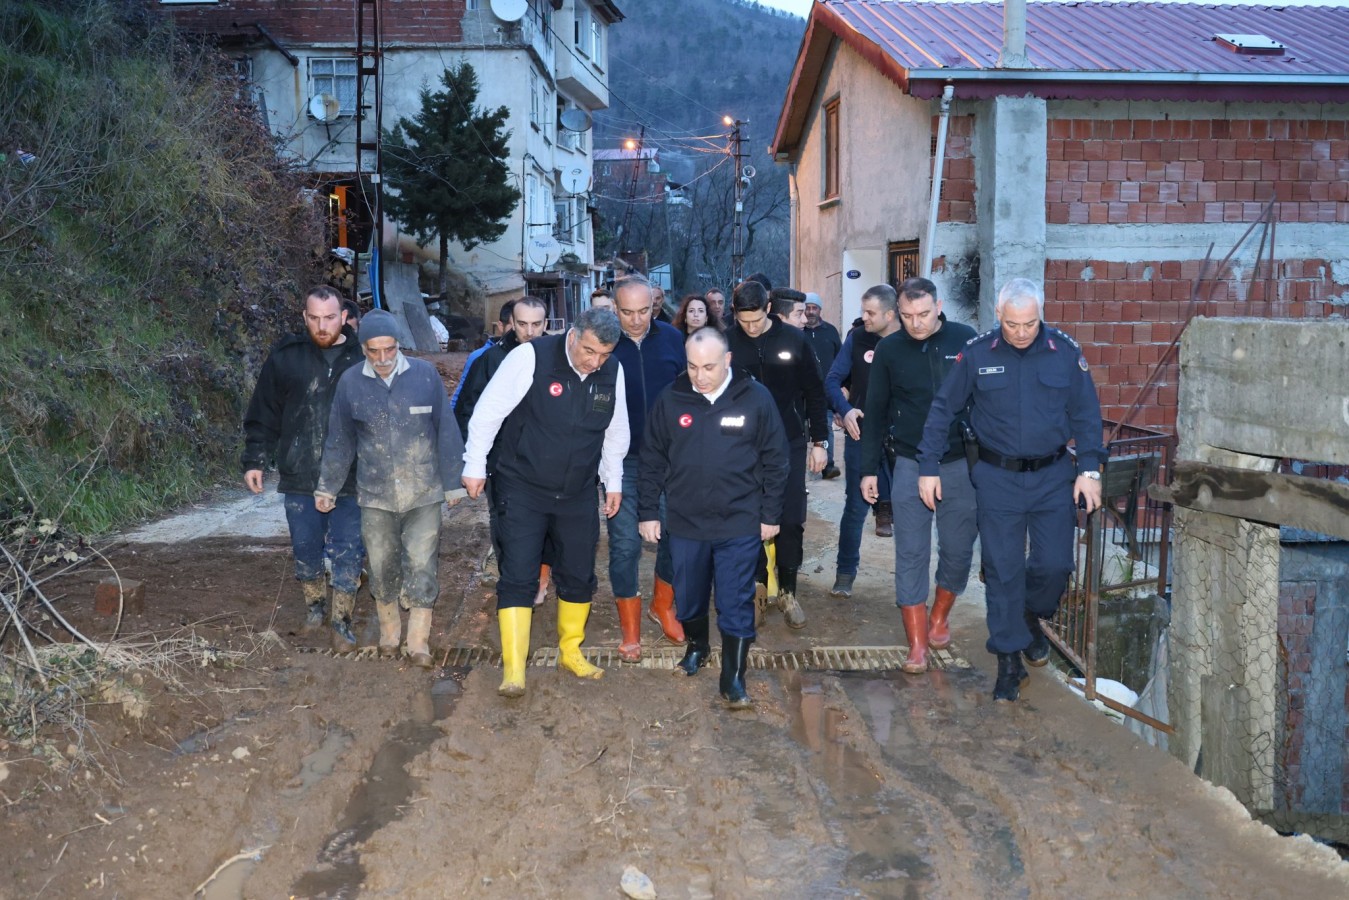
[393,417]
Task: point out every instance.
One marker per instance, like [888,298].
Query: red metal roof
[1106,37]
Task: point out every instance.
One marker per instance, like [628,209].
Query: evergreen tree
[448,166]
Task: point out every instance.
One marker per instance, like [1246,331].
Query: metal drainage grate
[817,659]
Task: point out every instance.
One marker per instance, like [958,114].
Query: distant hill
[675,70]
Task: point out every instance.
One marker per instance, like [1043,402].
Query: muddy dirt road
[326,777]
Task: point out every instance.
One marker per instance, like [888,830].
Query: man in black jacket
[718,514]
[781,359]
[825,341]
[287,421]
[907,369]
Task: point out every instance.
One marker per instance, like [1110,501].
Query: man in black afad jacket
[779,356]
[718,514]
[287,421]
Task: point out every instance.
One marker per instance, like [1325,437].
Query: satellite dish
[543,250]
[325,107]
[576,119]
[575,180]
[510,10]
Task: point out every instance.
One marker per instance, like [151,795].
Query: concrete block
[132,597]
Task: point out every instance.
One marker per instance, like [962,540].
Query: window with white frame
[597,41]
[531,197]
[562,223]
[582,219]
[582,33]
[335,76]
[535,101]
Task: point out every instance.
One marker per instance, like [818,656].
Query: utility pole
[738,137]
[369,64]
[636,147]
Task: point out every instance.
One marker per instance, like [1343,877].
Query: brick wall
[1126,314]
[1150,171]
[316,21]
[957,190]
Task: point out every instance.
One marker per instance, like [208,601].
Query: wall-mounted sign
[852,273]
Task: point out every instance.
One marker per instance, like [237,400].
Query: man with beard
[287,421]
[779,357]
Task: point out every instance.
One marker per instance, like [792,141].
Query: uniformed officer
[1031,393]
[718,514]
[553,415]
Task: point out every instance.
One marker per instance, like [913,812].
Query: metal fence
[1122,551]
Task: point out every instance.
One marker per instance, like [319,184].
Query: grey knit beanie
[377,324]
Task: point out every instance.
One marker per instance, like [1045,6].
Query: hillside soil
[274,770]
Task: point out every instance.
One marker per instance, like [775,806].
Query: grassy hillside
[151,248]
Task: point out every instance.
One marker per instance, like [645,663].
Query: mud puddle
[384,795]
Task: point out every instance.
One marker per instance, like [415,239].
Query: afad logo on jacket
[686,421]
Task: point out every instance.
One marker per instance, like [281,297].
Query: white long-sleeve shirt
[503,393]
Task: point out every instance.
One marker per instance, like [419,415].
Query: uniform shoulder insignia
[1067,337]
[1082,362]
[980,337]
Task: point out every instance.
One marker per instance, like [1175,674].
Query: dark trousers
[526,524]
[336,534]
[1015,507]
[728,565]
[854,517]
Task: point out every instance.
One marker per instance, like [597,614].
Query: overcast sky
[802,7]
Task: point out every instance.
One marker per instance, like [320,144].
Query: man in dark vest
[853,368]
[554,414]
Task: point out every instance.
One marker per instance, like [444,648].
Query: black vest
[552,441]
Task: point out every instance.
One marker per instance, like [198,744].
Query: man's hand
[929,490]
[871,492]
[253,480]
[1088,489]
[838,421]
[324,504]
[852,423]
[816,459]
[474,486]
[452,498]
[612,501]
[650,531]
[768,532]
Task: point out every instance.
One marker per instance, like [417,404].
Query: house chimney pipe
[1013,54]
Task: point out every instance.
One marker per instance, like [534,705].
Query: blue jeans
[336,534]
[854,507]
[625,544]
[728,565]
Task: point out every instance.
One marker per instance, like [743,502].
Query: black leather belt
[1017,464]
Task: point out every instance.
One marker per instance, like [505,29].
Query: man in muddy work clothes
[779,356]
[392,417]
[287,420]
[1032,393]
[552,417]
[719,514]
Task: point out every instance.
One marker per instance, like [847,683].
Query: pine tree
[448,166]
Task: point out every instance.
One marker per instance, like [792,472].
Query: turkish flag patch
[555,389]
[686,421]
[868,356]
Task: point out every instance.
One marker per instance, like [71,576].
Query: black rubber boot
[734,659]
[697,649]
[343,638]
[1037,653]
[1010,675]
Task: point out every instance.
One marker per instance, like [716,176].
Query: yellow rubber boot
[514,622]
[571,631]
[771,550]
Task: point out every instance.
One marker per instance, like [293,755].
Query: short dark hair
[749,296]
[505,315]
[915,287]
[714,290]
[353,312]
[324,292]
[530,302]
[781,306]
[885,294]
[708,333]
[762,279]
[600,292]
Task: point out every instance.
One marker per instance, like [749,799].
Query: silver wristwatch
[1092,474]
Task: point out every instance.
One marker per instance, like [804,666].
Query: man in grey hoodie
[392,415]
